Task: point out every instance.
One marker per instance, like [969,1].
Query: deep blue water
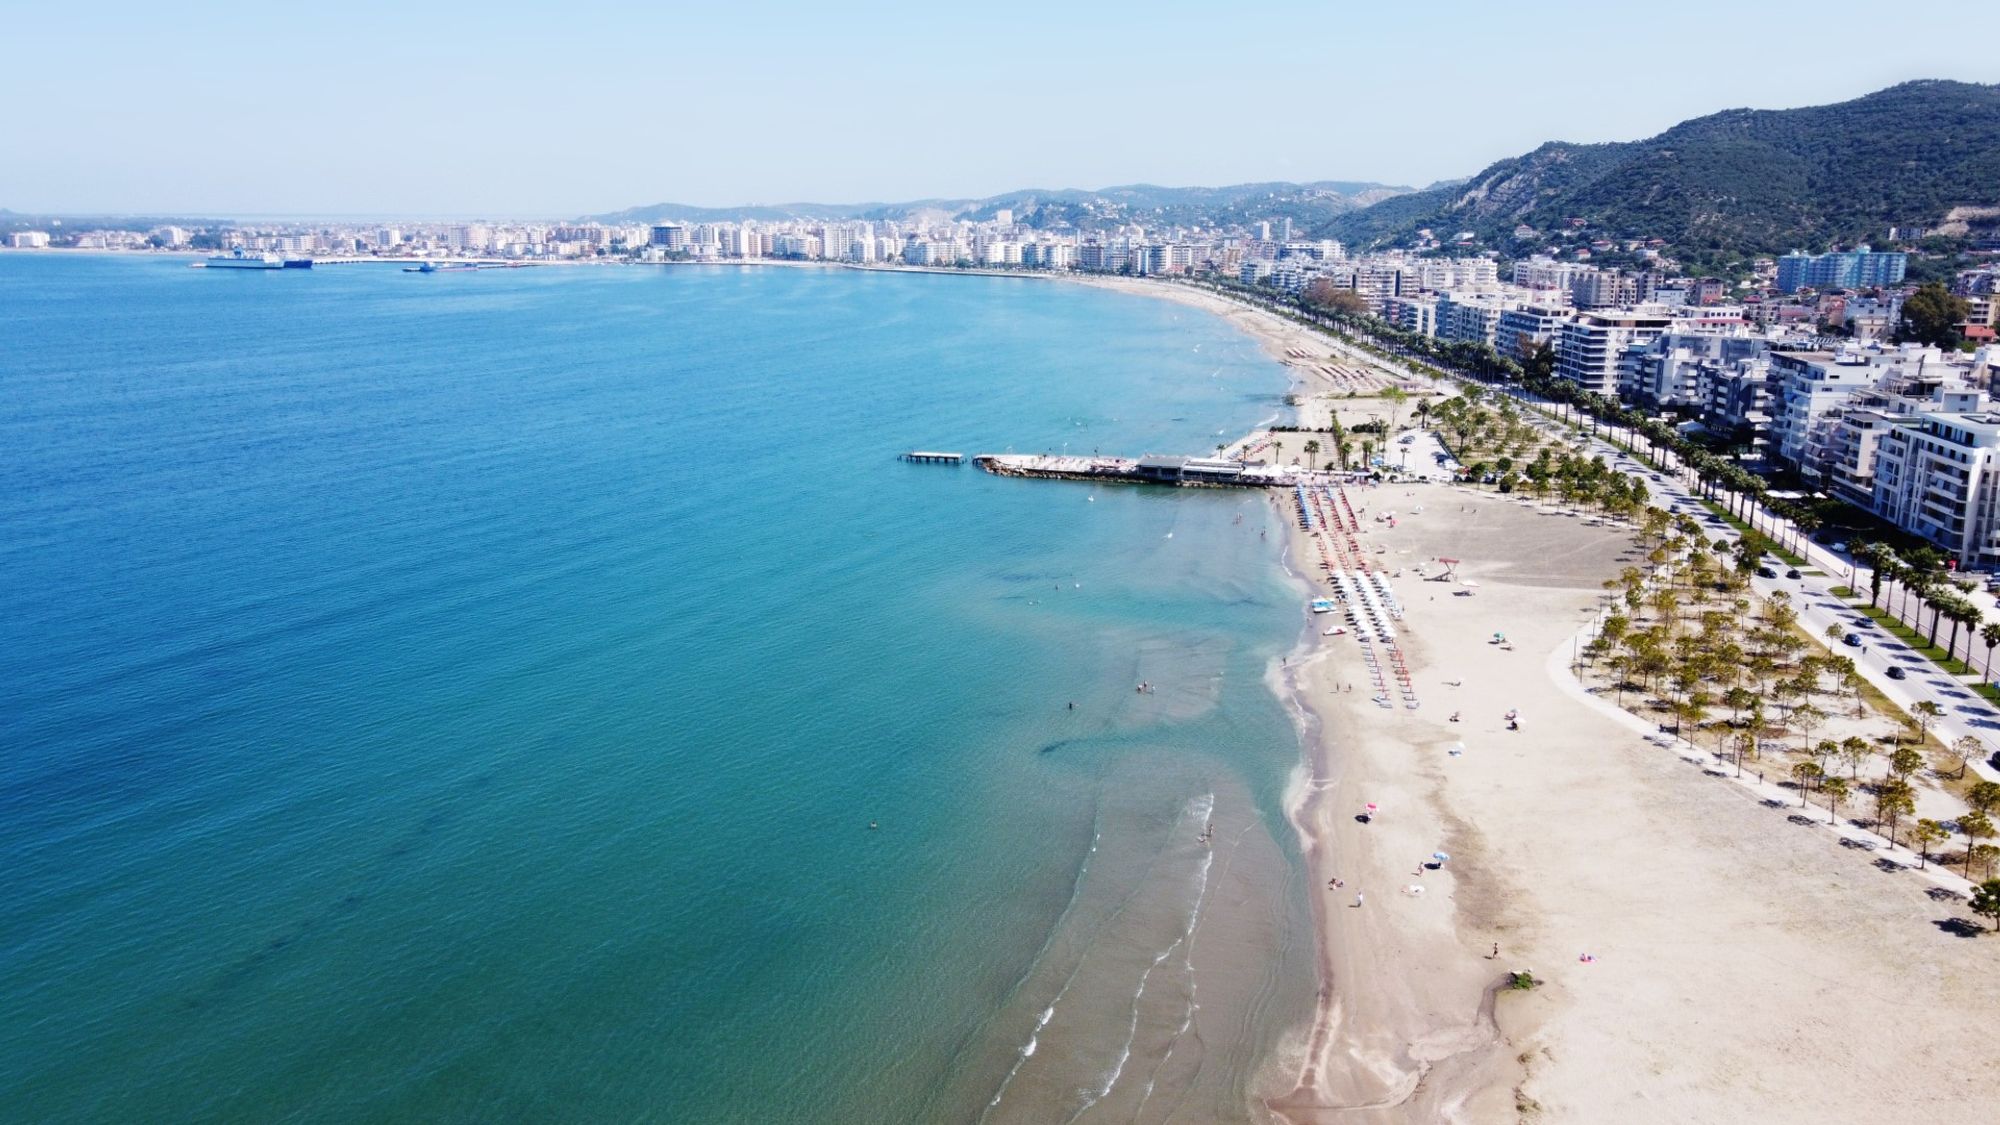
[464,697]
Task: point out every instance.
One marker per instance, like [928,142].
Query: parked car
[1896,672]
[1851,640]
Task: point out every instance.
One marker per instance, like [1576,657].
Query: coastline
[1685,936]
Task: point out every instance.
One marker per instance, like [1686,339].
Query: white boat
[241,259]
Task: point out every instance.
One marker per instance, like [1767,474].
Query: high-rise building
[1590,349]
[668,236]
[1848,269]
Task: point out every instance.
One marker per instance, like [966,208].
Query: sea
[543,694]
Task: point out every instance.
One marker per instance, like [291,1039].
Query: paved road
[1964,711]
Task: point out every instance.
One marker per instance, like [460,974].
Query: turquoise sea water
[465,697]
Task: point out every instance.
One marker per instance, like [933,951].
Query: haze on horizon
[506,110]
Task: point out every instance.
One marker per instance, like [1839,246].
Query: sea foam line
[1194,917]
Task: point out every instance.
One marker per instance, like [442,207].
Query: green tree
[1904,762]
[1835,792]
[1932,315]
[1806,773]
[1928,834]
[1854,750]
[1924,713]
[1964,748]
[1986,900]
[1983,796]
[1974,825]
[1312,454]
[1894,800]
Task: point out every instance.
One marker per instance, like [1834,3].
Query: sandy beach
[1700,955]
[1742,966]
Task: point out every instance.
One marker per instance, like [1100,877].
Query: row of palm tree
[1919,572]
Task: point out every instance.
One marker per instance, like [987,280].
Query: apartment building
[1937,479]
[1591,347]
[1532,324]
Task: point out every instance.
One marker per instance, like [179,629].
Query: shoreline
[1689,936]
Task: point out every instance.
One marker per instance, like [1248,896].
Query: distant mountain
[1741,181]
[1307,205]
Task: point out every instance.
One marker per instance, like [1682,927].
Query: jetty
[932,457]
[1196,472]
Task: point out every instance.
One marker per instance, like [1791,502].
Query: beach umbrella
[1440,857]
[1371,806]
[1468,582]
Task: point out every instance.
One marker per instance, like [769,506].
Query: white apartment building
[1807,387]
[1471,317]
[1532,324]
[1667,373]
[1937,479]
[1547,273]
[1591,348]
[28,240]
[1412,313]
[1463,274]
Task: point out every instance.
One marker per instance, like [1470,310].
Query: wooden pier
[931,457]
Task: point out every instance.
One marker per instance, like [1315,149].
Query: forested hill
[1742,181]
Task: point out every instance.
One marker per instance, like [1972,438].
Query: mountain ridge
[1746,181]
[1312,201]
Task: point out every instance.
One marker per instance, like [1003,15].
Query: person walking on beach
[1357,898]
[1495,953]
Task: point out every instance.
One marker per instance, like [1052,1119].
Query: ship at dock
[240,259]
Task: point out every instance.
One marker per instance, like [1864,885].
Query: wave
[1207,804]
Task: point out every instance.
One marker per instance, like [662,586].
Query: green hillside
[1738,182]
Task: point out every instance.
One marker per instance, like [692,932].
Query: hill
[1742,181]
[1308,205]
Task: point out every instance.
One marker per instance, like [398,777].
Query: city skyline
[505,112]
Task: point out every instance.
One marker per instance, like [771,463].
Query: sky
[511,110]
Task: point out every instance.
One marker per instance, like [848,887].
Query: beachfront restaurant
[1189,470]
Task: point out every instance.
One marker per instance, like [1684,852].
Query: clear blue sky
[501,109]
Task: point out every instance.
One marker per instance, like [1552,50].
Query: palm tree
[1835,791]
[1278,452]
[1312,454]
[1990,633]
[1925,836]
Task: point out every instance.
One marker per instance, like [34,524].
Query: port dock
[932,457]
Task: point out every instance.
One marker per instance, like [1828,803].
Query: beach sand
[1745,966]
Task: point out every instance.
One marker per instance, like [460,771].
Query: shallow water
[467,696]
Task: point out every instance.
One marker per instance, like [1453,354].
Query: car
[1792,573]
[1766,572]
[1896,672]
[1851,640]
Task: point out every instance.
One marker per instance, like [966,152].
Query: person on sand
[1495,953]
[1357,898]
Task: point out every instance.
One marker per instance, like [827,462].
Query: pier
[1197,472]
[932,457]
